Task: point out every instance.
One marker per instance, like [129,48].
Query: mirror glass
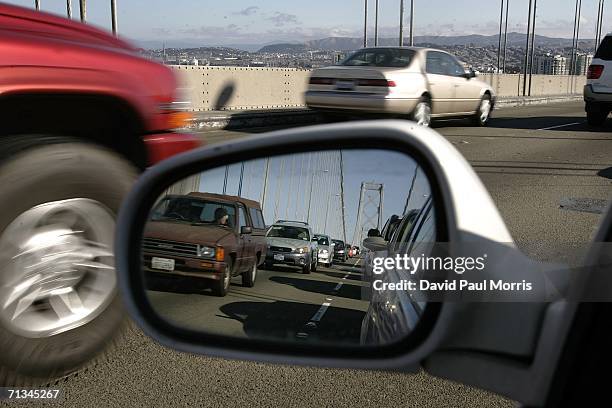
[283,248]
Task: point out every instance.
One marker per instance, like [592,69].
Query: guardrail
[246,88]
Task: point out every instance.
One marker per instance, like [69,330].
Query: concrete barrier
[242,88]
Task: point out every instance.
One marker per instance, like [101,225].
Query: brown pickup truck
[207,236]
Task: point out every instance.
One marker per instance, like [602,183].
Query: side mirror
[469,74]
[461,333]
[246,230]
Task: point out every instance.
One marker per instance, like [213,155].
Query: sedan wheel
[483,113]
[422,113]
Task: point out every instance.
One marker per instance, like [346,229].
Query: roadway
[548,173]
[322,306]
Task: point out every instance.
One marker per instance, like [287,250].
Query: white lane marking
[317,316]
[339,285]
[560,126]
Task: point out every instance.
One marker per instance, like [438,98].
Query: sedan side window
[453,67]
[434,63]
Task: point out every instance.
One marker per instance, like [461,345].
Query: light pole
[327,212]
[311,188]
[376,25]
[69,8]
[37,5]
[533,27]
[365,25]
[499,42]
[411,22]
[83,10]
[526,61]
[505,36]
[598,23]
[114,16]
[401,28]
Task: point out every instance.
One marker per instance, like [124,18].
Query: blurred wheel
[59,305]
[422,112]
[221,287]
[483,113]
[596,116]
[248,278]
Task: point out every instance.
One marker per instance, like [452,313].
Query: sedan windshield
[322,240]
[284,231]
[380,57]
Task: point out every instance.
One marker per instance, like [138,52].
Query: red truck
[82,114]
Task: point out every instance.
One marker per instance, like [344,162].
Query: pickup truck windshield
[283,231]
[195,211]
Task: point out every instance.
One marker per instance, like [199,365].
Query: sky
[236,22]
[288,190]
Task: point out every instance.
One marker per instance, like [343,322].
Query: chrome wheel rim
[226,278]
[422,114]
[58,268]
[485,110]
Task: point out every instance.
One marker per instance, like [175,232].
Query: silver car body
[451,95]
[325,252]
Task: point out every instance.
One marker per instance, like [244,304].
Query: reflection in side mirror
[300,278]
[374,232]
[375,244]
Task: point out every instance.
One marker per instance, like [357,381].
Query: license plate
[279,257]
[347,85]
[162,263]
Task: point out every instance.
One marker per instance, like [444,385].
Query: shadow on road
[325,288]
[356,276]
[605,173]
[284,320]
[184,285]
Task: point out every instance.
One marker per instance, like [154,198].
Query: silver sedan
[421,83]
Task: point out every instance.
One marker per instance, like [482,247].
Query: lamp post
[365,25]
[376,25]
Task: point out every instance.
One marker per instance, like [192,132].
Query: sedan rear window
[380,57]
[604,51]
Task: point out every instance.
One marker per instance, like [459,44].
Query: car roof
[224,198]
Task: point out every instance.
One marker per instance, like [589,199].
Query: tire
[483,113]
[268,265]
[422,112]
[36,170]
[595,115]
[306,269]
[248,278]
[221,287]
[314,266]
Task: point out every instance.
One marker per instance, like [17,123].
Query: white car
[598,90]
[421,83]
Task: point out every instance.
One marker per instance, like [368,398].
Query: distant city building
[582,63]
[549,64]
